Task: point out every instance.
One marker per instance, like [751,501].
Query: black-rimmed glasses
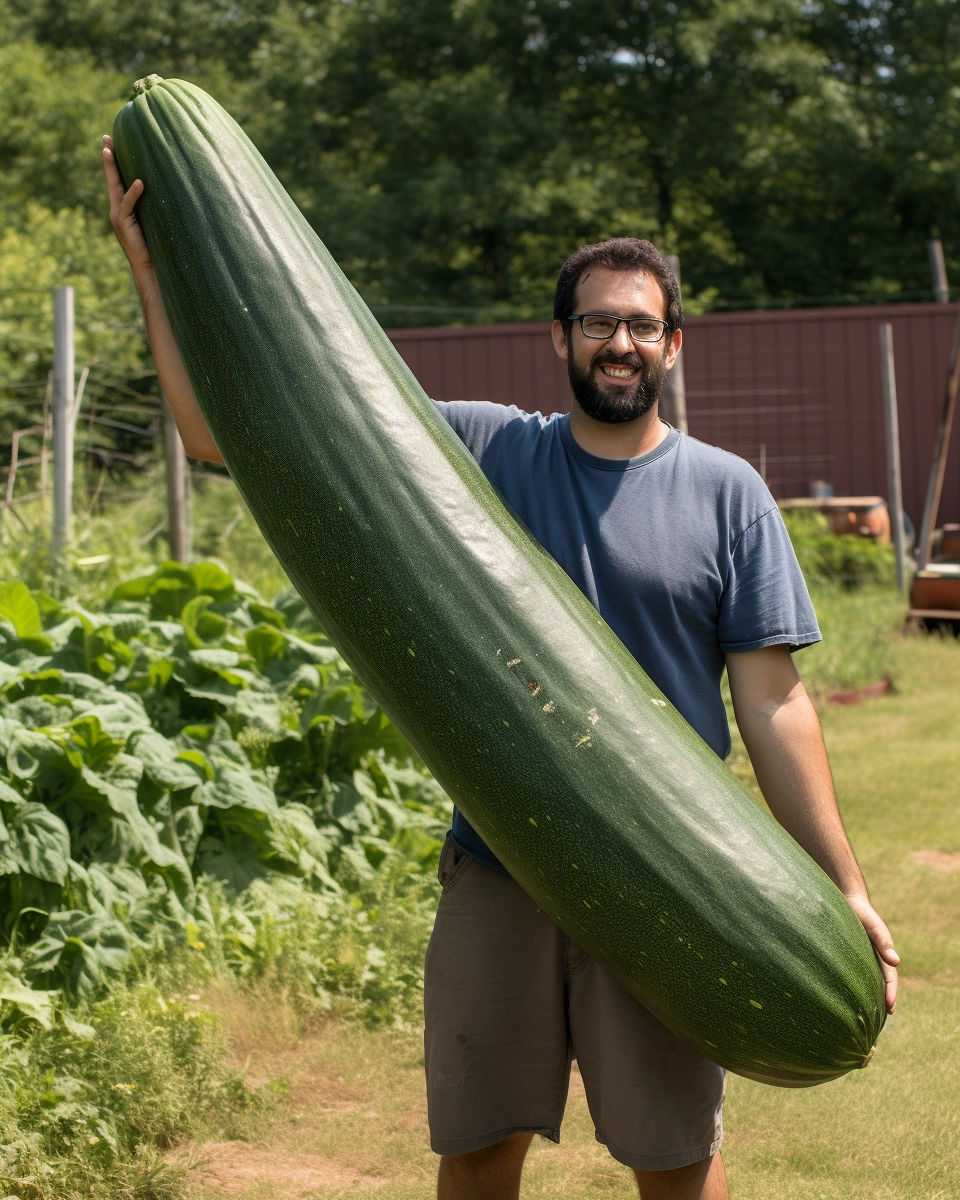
[605,325]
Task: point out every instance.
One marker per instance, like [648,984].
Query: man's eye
[599,324]
[646,328]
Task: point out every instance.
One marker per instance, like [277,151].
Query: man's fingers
[124,203]
[879,935]
[129,201]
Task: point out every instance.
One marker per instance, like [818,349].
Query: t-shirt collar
[614,464]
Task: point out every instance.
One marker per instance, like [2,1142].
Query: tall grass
[87,1107]
[120,531]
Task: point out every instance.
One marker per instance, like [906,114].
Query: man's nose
[622,342]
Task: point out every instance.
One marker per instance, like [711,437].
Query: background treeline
[451,152]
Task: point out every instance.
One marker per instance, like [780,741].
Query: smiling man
[682,550]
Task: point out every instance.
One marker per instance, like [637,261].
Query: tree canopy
[452,152]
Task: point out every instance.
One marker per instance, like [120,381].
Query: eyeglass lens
[598,326]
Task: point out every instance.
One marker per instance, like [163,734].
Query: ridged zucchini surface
[594,792]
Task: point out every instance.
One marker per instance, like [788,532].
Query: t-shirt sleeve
[476,422]
[765,601]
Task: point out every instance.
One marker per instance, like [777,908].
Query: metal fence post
[178,487]
[63,416]
[892,426]
[674,386]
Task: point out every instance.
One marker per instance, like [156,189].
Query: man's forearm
[782,734]
[197,438]
[785,744]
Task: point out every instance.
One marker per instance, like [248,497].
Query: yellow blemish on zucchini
[386,631]
[410,652]
[507,723]
[658,703]
[593,716]
[549,706]
[588,905]
[723,981]
[532,821]
[756,1004]
[514,662]
[584,741]
[575,867]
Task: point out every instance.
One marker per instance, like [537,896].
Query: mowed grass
[350,1115]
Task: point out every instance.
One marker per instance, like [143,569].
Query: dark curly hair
[619,254]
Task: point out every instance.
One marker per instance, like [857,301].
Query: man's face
[616,380]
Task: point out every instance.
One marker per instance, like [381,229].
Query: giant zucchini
[597,796]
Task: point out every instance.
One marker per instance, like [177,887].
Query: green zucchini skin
[592,790]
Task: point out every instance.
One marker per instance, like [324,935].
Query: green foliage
[451,154]
[46,250]
[826,558]
[87,1106]
[189,732]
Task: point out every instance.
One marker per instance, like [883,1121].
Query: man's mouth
[618,370]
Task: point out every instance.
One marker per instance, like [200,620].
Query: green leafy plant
[826,558]
[192,734]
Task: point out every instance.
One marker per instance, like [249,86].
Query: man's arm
[197,438]
[782,734]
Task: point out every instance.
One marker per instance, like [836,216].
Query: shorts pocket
[453,863]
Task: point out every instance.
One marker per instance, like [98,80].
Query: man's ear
[675,343]
[558,331]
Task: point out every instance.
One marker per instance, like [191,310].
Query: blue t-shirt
[683,551]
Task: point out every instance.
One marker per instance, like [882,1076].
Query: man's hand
[122,217]
[879,934]
[782,734]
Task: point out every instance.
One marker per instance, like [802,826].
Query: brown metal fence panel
[509,364]
[796,393]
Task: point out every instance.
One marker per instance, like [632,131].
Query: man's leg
[496,1046]
[489,1174]
[655,1100]
[704,1180]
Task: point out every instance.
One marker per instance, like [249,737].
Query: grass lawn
[349,1115]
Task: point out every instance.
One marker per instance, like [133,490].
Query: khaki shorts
[510,1001]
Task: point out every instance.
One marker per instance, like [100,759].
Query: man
[682,549]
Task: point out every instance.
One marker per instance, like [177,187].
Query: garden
[219,868]
[217,853]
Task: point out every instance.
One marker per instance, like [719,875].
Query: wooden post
[178,501]
[938,272]
[941,448]
[674,397]
[63,416]
[892,425]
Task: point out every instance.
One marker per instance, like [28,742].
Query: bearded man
[681,548]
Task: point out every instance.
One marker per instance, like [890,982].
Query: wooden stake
[941,448]
[674,398]
[892,425]
[63,417]
[938,272]
[178,502]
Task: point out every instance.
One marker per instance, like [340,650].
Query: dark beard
[616,408]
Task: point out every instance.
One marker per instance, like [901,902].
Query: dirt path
[346,1115]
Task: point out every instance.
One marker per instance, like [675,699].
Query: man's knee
[492,1173]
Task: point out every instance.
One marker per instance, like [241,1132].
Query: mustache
[619,360]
